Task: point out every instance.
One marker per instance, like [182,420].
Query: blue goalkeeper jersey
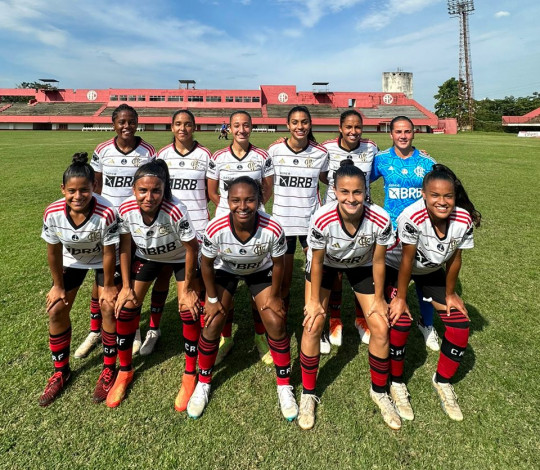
[402,178]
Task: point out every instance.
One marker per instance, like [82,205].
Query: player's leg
[425,322]
[226,341]
[334,309]
[94,337]
[260,335]
[360,323]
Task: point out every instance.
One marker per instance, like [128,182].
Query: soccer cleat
[225,345]
[189,381]
[89,343]
[448,399]
[104,384]
[400,395]
[430,336]
[264,351]
[54,387]
[137,343]
[325,344]
[198,401]
[287,402]
[149,342]
[363,330]
[118,390]
[336,331]
[306,413]
[388,410]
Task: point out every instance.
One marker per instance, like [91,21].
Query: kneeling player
[248,245]
[432,232]
[349,236]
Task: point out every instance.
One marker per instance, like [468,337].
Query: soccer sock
[59,346]
[358,310]
[259,326]
[109,348]
[191,330]
[280,349]
[398,339]
[207,358]
[426,309]
[227,329]
[157,304]
[95,316]
[334,304]
[310,367]
[379,369]
[454,343]
[126,325]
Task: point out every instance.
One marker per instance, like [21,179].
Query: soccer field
[242,427]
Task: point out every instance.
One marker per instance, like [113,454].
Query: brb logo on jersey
[178,183]
[118,181]
[404,193]
[295,181]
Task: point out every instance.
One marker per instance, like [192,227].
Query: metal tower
[462,9]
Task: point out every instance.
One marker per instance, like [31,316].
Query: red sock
[202,301]
[59,346]
[398,339]
[95,316]
[207,358]
[280,350]
[157,304]
[358,309]
[334,304]
[109,348]
[191,330]
[310,367]
[126,325]
[379,370]
[456,338]
[227,329]
[259,326]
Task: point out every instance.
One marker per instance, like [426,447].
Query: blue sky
[241,44]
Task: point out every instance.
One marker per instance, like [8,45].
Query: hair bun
[346,162]
[80,158]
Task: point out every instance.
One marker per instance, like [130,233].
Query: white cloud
[387,11]
[501,14]
[310,12]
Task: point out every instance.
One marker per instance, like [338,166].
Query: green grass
[242,427]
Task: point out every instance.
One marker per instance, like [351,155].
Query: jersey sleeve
[123,224]
[408,231]
[213,170]
[48,233]
[316,239]
[386,236]
[326,164]
[209,247]
[184,227]
[96,162]
[279,246]
[467,241]
[268,167]
[111,235]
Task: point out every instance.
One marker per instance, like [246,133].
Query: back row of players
[348,235]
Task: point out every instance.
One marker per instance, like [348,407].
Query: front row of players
[349,235]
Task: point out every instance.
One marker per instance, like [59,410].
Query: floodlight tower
[462,9]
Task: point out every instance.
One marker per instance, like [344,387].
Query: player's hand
[278,141]
[453,301]
[211,311]
[398,307]
[189,300]
[55,295]
[108,295]
[311,311]
[379,307]
[276,305]
[126,295]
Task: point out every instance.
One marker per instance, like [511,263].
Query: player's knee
[316,329]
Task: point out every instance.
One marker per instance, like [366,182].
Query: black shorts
[255,282]
[147,271]
[291,243]
[432,285]
[74,277]
[360,278]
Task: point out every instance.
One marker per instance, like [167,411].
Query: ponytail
[79,168]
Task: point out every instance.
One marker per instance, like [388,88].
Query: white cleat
[198,401]
[150,341]
[137,343]
[363,330]
[400,395]
[287,402]
[306,414]
[325,344]
[89,343]
[336,332]
[388,410]
[448,399]
[430,336]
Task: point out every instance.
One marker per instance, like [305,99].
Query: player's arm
[274,301]
[379,305]
[323,177]
[453,266]
[109,291]
[212,306]
[398,306]
[267,188]
[188,298]
[313,306]
[98,182]
[126,294]
[213,190]
[55,260]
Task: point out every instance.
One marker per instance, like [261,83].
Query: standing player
[115,162]
[240,158]
[81,232]
[433,231]
[402,168]
[299,163]
[161,230]
[348,145]
[349,236]
[248,245]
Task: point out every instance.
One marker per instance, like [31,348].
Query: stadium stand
[53,109]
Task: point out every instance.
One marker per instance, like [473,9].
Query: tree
[448,99]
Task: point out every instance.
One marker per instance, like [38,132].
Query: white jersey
[236,257]
[82,244]
[188,180]
[118,168]
[362,157]
[296,184]
[415,228]
[225,166]
[348,250]
[161,240]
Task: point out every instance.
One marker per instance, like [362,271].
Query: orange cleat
[118,390]
[189,381]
